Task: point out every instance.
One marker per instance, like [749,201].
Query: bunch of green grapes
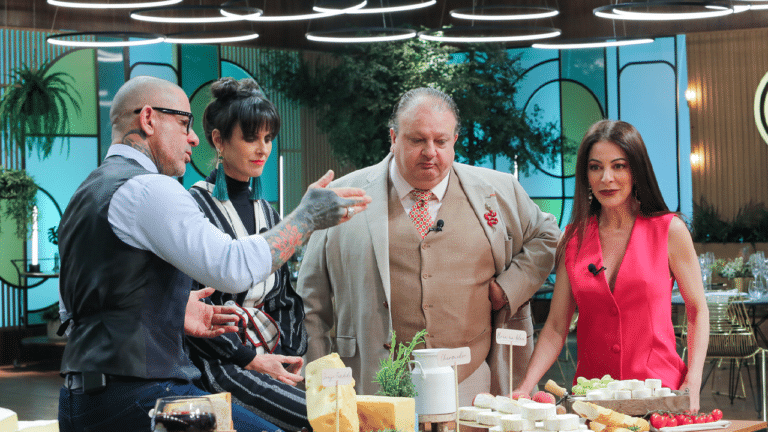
[584,385]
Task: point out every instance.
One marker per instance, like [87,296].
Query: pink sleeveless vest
[627,334]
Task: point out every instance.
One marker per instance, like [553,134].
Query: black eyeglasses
[172,111]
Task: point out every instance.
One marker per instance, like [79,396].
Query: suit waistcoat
[441,282]
[626,333]
[127,304]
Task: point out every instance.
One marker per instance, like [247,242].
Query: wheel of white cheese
[622,394]
[484,400]
[642,393]
[562,422]
[506,405]
[495,429]
[614,385]
[537,411]
[664,391]
[635,384]
[491,418]
[470,413]
[652,383]
[596,395]
[515,423]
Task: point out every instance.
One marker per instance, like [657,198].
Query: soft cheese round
[537,411]
[653,383]
[489,418]
[470,413]
[642,393]
[664,391]
[562,422]
[596,395]
[614,385]
[515,423]
[622,394]
[484,400]
[506,405]
[635,384]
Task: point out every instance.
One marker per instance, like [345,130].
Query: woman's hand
[273,365]
[693,395]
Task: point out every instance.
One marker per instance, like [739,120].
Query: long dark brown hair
[645,187]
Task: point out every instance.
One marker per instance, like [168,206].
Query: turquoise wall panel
[199,64]
[58,177]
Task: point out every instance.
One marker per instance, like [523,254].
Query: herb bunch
[394,377]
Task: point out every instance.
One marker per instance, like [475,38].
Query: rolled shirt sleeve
[154,212]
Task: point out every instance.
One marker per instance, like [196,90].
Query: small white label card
[511,337]
[338,376]
[454,356]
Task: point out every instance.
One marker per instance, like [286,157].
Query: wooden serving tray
[639,407]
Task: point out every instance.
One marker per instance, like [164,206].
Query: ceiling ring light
[649,11]
[357,35]
[601,42]
[145,39]
[484,34]
[387,9]
[127,5]
[210,37]
[504,13]
[226,11]
[142,15]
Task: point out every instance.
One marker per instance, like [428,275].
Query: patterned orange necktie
[420,211]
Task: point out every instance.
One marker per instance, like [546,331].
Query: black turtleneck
[238,193]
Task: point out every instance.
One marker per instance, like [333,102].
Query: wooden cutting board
[640,407]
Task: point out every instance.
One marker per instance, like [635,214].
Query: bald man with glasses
[127,235]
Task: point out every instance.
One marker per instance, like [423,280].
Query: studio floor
[32,390]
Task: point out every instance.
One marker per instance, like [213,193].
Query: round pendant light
[361,35]
[664,10]
[126,39]
[606,42]
[503,13]
[214,14]
[227,10]
[210,37]
[482,34]
[111,5]
[391,7]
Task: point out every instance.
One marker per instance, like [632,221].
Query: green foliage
[51,313]
[18,190]
[33,108]
[394,377]
[749,226]
[355,97]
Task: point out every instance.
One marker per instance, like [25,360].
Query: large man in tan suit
[386,270]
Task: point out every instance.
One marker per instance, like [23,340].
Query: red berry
[717,414]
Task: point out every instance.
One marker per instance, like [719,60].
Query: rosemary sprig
[394,377]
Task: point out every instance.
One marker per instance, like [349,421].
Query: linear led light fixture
[387,9]
[142,14]
[353,35]
[130,5]
[504,13]
[279,18]
[138,39]
[624,11]
[592,43]
[445,34]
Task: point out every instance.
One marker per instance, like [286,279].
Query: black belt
[94,381]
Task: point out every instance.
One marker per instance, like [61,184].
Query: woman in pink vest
[617,262]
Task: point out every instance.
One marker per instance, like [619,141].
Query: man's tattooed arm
[319,209]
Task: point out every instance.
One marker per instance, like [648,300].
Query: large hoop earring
[220,186]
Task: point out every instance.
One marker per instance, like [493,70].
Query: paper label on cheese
[322,400]
[337,376]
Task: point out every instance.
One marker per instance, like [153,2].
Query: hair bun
[224,88]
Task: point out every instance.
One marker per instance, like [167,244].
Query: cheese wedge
[382,412]
[321,401]
[9,421]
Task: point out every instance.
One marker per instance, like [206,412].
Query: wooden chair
[732,338]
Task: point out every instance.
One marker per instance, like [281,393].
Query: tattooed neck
[139,143]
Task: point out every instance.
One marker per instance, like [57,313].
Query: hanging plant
[33,108]
[17,191]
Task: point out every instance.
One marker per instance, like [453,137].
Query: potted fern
[17,197]
[34,108]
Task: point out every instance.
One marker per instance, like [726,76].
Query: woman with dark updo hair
[260,364]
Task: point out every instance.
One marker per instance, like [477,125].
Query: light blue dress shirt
[154,212]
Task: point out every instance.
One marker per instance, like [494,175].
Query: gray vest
[127,304]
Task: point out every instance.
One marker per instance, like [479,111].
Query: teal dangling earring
[220,187]
[255,188]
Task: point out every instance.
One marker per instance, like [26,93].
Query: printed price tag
[453,357]
[511,337]
[339,376]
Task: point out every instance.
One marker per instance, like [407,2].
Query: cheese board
[678,402]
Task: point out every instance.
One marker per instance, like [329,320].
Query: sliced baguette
[610,418]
